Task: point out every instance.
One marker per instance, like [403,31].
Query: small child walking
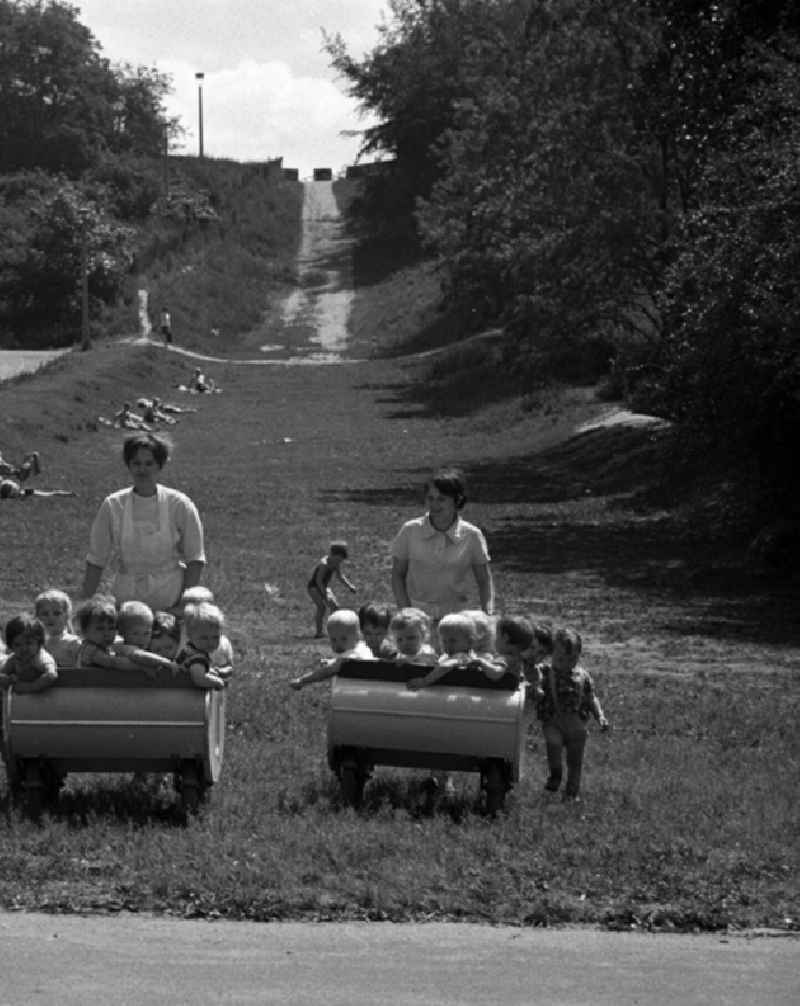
[319,589]
[567,700]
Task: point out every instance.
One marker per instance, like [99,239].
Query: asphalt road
[131,959]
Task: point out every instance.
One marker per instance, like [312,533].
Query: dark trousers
[567,731]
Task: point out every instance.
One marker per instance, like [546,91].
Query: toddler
[457,638]
[135,626]
[53,608]
[203,628]
[373,620]
[318,586]
[411,632]
[29,667]
[97,622]
[343,633]
[222,657]
[486,657]
[165,635]
[566,701]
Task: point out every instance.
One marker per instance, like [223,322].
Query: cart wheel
[191,788]
[352,782]
[33,791]
[495,788]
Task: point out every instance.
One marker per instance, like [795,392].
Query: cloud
[256,111]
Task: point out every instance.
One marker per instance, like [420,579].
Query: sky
[268,90]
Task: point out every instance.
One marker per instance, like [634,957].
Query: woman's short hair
[157,446]
[23,625]
[449,482]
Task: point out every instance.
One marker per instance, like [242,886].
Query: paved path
[129,959]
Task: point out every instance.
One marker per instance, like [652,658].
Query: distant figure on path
[165,323]
[11,490]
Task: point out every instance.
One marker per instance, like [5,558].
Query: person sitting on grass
[203,624]
[135,626]
[566,702]
[346,643]
[373,620]
[97,624]
[53,608]
[126,419]
[28,667]
[152,414]
[31,465]
[318,586]
[168,407]
[11,490]
[165,635]
[222,657]
[410,628]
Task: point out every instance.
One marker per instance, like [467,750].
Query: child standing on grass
[566,702]
[203,628]
[29,667]
[410,629]
[344,636]
[318,586]
[374,620]
[53,608]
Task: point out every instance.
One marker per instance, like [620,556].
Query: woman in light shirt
[439,560]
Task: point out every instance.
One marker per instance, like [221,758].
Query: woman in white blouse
[150,535]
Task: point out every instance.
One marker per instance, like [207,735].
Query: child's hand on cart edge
[604,725]
[296,684]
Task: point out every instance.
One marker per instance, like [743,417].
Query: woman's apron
[149,570]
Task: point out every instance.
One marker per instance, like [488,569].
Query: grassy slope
[690,809]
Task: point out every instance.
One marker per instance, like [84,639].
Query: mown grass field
[690,815]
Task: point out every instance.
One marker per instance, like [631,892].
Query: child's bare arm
[152,663]
[492,667]
[111,661]
[327,669]
[45,680]
[204,677]
[434,675]
[350,586]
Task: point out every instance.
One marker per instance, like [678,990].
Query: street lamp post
[199,78]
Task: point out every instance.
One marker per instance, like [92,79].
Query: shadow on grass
[594,504]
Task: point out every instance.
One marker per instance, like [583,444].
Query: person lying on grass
[135,626]
[319,588]
[457,638]
[53,608]
[31,465]
[11,490]
[28,667]
[203,623]
[566,702]
[411,628]
[346,643]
